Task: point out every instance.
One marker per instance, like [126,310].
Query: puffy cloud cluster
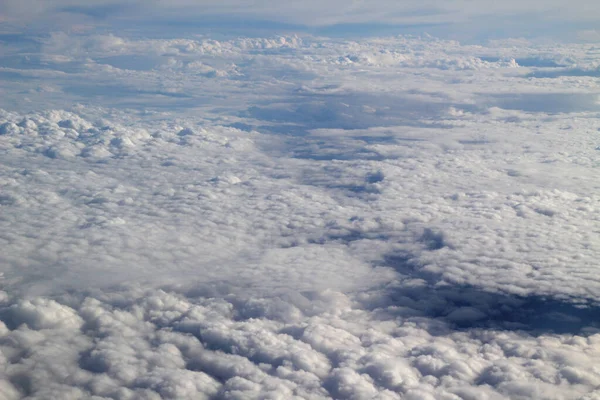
[64,135]
[112,45]
[156,344]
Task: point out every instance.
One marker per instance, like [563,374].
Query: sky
[458,19]
[316,200]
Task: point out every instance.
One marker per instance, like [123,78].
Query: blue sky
[459,19]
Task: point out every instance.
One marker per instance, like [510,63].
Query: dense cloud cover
[156,344]
[298,217]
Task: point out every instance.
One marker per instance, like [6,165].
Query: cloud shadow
[530,62]
[553,103]
[466,307]
[302,113]
[557,73]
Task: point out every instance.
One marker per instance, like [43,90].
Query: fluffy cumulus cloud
[293,217]
[156,344]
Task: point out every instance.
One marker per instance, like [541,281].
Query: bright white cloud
[164,345]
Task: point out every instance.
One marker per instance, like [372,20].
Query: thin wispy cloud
[466,19]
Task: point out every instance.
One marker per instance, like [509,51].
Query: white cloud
[391,218]
[203,348]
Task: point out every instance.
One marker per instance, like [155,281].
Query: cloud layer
[298,217]
[157,344]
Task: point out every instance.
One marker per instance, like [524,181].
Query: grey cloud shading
[344,111]
[548,102]
[101,11]
[557,73]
